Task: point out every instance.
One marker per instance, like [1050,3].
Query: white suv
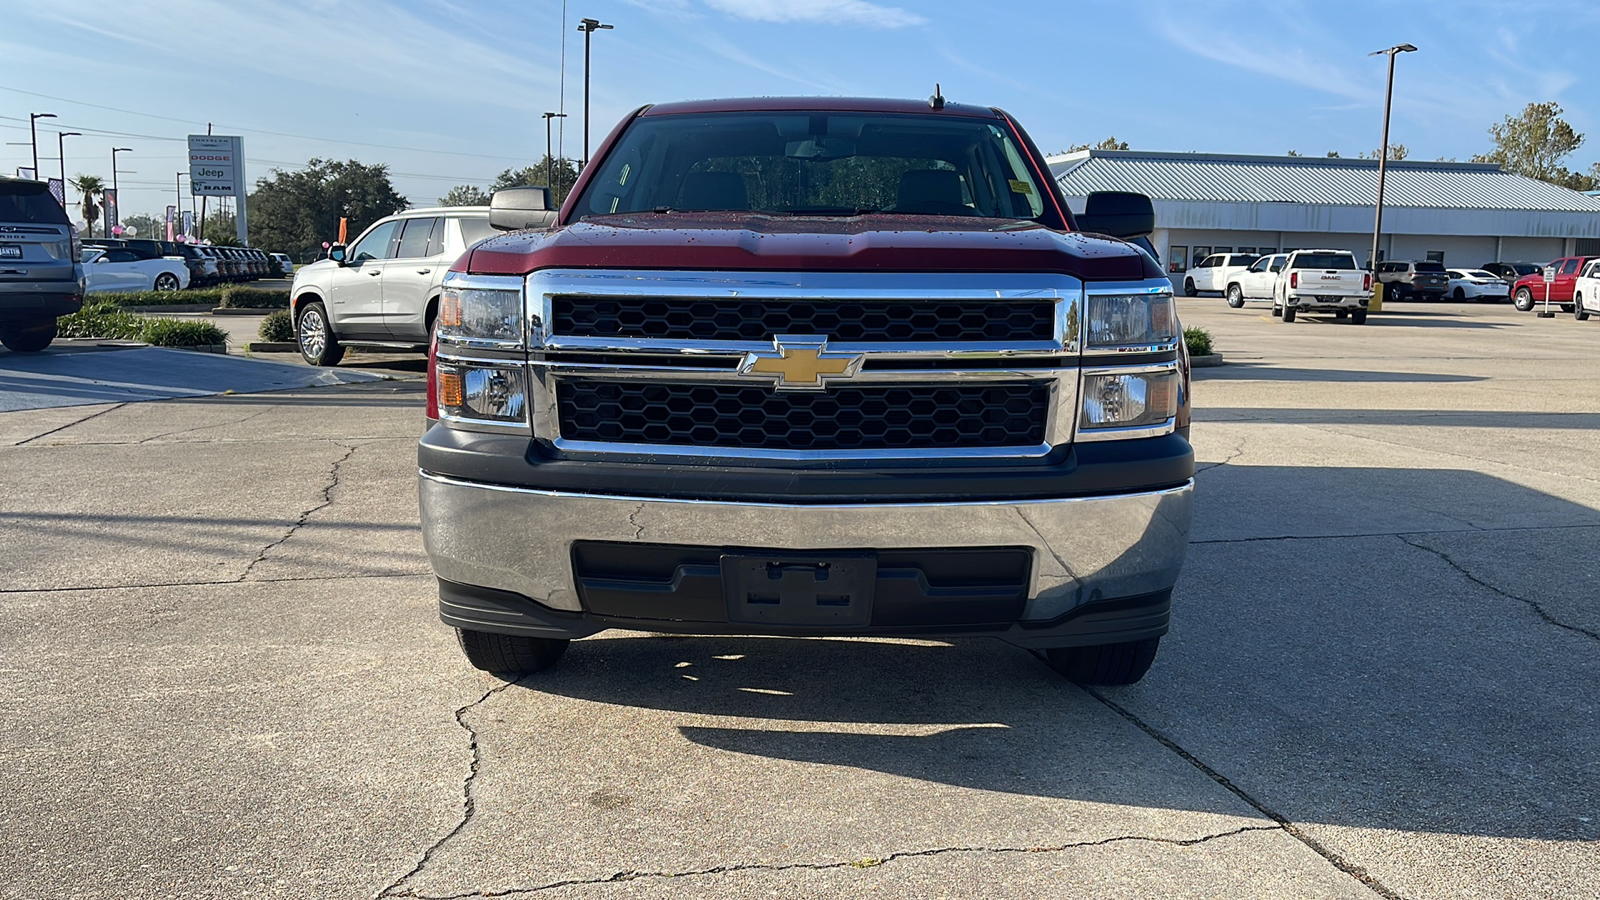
[382,290]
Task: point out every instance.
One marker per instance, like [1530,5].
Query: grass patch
[105,319]
[277,326]
[1198,339]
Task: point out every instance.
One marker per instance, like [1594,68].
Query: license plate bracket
[799,589]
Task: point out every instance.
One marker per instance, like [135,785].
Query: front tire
[319,346]
[1105,664]
[1578,312]
[1524,300]
[1288,314]
[166,281]
[1235,296]
[1188,288]
[511,654]
[28,338]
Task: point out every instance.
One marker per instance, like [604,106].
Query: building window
[1198,254]
[1436,256]
[1178,258]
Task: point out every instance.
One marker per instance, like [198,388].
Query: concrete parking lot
[224,675]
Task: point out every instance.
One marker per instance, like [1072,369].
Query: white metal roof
[1220,178]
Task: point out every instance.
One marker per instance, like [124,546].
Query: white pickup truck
[1214,272]
[1322,281]
[1255,282]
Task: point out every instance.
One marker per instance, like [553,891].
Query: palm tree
[92,187]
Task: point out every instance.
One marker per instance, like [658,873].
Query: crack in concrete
[1339,862]
[70,424]
[1534,605]
[638,529]
[866,863]
[327,499]
[156,437]
[1238,451]
[1366,534]
[214,583]
[469,804]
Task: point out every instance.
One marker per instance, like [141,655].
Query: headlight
[483,392]
[1129,400]
[1131,320]
[476,314]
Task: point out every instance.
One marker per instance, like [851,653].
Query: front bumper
[1091,555]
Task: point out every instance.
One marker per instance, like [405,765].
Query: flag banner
[58,191]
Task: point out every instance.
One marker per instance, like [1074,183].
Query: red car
[1529,291]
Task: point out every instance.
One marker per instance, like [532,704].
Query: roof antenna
[937,100]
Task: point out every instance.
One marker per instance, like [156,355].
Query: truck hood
[752,241]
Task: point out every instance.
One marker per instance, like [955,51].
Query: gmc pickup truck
[1322,281]
[797,366]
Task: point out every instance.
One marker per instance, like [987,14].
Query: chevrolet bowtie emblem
[800,362]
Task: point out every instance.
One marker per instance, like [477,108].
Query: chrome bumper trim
[1085,548]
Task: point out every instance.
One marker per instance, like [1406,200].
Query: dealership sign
[216,164]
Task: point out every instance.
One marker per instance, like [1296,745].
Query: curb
[271,347]
[244,310]
[1206,362]
[169,308]
[204,348]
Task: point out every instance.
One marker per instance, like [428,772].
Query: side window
[475,229]
[376,244]
[1260,265]
[120,255]
[416,237]
[1277,263]
[1197,254]
[1209,262]
[1570,267]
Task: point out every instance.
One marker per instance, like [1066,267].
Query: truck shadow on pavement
[1379,648]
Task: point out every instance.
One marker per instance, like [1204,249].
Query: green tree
[146,227]
[563,173]
[222,229]
[1397,152]
[1534,143]
[294,212]
[1110,143]
[464,195]
[91,187]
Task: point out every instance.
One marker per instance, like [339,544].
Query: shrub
[181,333]
[277,326]
[1198,339]
[157,298]
[105,319]
[251,298]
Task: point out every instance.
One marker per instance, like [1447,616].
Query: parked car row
[207,264]
[119,269]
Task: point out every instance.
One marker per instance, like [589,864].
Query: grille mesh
[761,320]
[875,417]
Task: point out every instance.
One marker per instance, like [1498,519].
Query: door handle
[423,271]
[374,273]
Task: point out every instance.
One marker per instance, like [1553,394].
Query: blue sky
[451,91]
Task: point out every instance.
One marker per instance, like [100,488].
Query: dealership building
[1461,214]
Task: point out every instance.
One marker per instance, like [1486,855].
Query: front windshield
[815,163]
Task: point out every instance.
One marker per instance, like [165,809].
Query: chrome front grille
[856,418]
[630,364]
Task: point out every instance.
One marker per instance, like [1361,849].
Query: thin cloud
[819,12]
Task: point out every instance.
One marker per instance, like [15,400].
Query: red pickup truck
[801,366]
[1529,290]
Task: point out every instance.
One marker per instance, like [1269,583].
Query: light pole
[33,134]
[116,195]
[61,156]
[1383,157]
[549,163]
[588,27]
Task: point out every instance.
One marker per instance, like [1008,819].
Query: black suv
[40,278]
[1509,272]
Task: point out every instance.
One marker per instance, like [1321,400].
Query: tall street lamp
[33,134]
[1383,152]
[588,27]
[549,164]
[61,156]
[114,192]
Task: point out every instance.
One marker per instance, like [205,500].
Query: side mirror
[518,208]
[1120,214]
[336,253]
